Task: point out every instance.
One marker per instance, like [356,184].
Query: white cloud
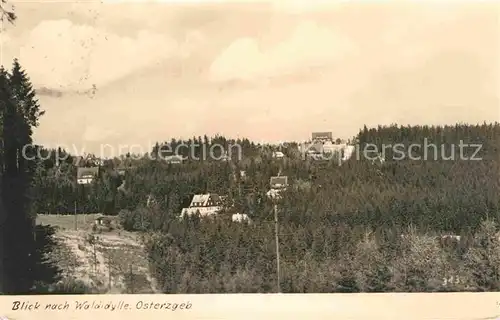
[4,38]
[60,53]
[309,45]
[93,134]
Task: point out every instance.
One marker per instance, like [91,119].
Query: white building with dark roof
[278,155]
[204,204]
[278,184]
[321,136]
[86,175]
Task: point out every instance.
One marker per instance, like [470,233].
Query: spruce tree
[19,114]
[12,246]
[5,100]
[28,113]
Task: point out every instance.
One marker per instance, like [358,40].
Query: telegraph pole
[276,230]
[94,240]
[277,183]
[109,271]
[83,197]
[76,199]
[76,219]
[84,219]
[131,280]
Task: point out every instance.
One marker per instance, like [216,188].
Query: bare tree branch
[7,12]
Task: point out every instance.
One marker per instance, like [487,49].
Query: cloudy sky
[271,71]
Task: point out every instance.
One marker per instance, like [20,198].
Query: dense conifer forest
[368,225]
[365,225]
[361,226]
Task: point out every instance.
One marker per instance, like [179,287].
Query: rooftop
[203,199]
[322,135]
[84,172]
[277,182]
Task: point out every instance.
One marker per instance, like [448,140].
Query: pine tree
[12,227]
[483,258]
[5,100]
[19,114]
[28,113]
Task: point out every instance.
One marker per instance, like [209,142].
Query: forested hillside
[419,216]
[362,226]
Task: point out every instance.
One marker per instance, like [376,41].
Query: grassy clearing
[109,261]
[83,221]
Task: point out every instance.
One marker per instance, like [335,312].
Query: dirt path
[114,262]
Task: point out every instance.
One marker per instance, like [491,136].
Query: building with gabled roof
[278,155]
[86,175]
[205,200]
[279,182]
[174,159]
[322,136]
[238,217]
[204,204]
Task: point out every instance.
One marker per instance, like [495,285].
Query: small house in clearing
[278,155]
[175,159]
[277,184]
[86,175]
[238,217]
[102,221]
[204,204]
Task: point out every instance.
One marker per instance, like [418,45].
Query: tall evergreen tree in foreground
[19,114]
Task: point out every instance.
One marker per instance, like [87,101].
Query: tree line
[405,225]
[374,226]
[397,225]
[360,226]
[330,217]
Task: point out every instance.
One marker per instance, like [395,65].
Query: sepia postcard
[249,159]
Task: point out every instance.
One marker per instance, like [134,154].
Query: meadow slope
[113,263]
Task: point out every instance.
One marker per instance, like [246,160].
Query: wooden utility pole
[76,199]
[83,197]
[76,218]
[94,240]
[276,229]
[109,270]
[131,279]
[278,183]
